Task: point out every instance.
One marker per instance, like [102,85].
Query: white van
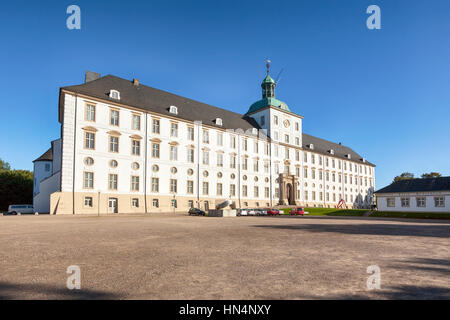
[20,208]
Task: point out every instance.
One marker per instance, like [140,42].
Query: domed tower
[261,109]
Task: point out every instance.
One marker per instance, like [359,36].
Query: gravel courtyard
[182,257]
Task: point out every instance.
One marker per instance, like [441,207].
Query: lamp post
[174,203]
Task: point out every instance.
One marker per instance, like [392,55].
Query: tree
[431,175]
[4,165]
[404,176]
[16,187]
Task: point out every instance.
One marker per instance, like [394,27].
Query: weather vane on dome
[268,65]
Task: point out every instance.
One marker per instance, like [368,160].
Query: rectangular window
[155,150]
[256,147]
[112,181]
[220,139]
[88,180]
[89,114]
[232,190]
[190,155]
[233,162]
[297,126]
[305,173]
[155,184]
[439,202]
[266,192]
[421,202]
[190,187]
[136,122]
[306,195]
[206,157]
[205,136]
[173,153]
[286,138]
[135,203]
[88,202]
[256,191]
[255,165]
[156,126]
[244,191]
[113,144]
[219,189]
[220,160]
[190,133]
[155,203]
[135,147]
[114,120]
[205,188]
[297,141]
[277,192]
[89,140]
[245,144]
[390,202]
[286,153]
[173,185]
[232,142]
[405,202]
[174,129]
[244,163]
[190,203]
[173,203]
[275,120]
[305,157]
[134,183]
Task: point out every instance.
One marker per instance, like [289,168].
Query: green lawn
[416,215]
[331,212]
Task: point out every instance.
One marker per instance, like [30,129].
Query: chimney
[91,76]
[135,81]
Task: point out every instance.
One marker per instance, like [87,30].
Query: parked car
[196,212]
[273,212]
[14,209]
[262,212]
[297,211]
[251,212]
[242,212]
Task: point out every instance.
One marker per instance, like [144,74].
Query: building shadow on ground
[435,231]
[12,291]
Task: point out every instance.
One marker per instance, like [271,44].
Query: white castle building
[126,147]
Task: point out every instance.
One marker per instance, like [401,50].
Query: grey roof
[324,147]
[46,156]
[155,100]
[418,185]
[158,101]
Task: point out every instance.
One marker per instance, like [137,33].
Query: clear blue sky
[385,93]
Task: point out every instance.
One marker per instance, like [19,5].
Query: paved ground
[180,257]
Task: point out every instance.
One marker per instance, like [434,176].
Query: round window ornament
[113,164]
[88,161]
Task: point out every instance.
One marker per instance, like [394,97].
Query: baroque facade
[126,147]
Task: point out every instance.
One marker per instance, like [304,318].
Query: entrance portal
[290,194]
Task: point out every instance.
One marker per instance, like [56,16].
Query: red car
[273,212]
[297,212]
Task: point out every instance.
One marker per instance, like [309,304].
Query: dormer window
[114,94]
[173,110]
[219,121]
[363,160]
[254,131]
[348,155]
[311,146]
[331,151]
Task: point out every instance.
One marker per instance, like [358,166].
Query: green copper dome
[268,97]
[268,102]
